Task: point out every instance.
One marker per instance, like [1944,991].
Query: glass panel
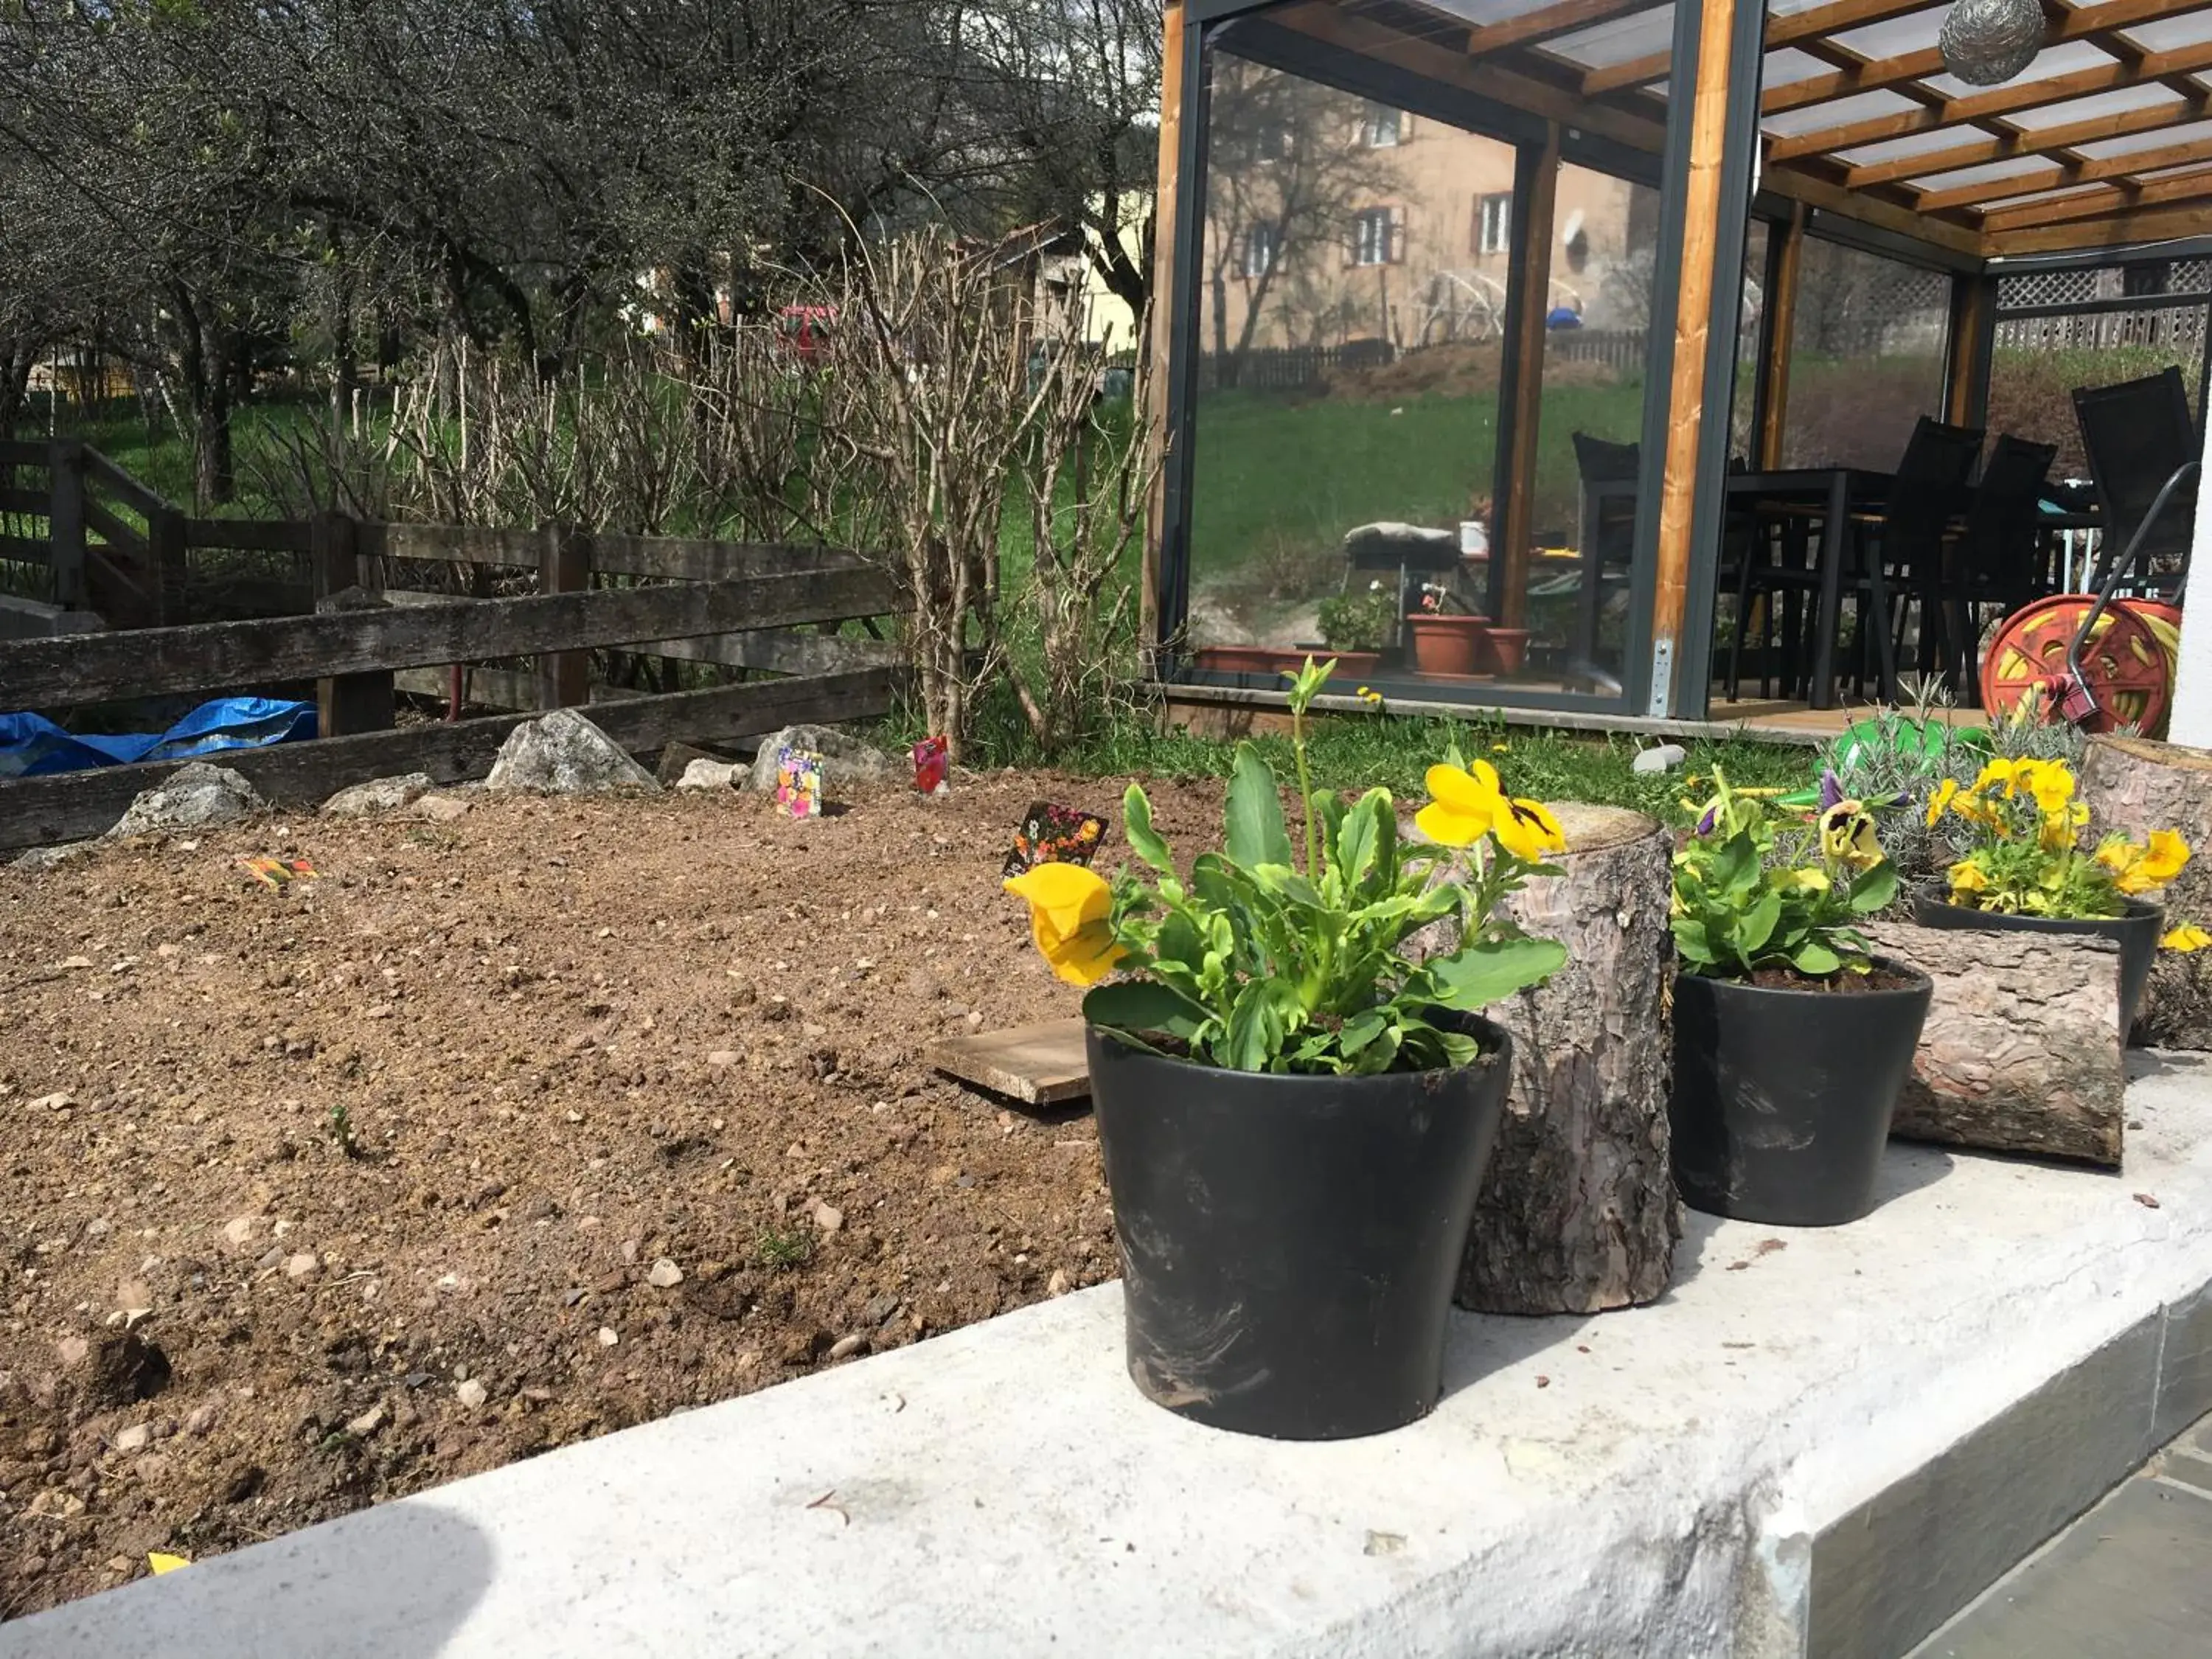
[1751,312]
[1867,356]
[1351,305]
[1576,595]
[2037,361]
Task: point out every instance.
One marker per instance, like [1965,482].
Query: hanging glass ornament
[1984,42]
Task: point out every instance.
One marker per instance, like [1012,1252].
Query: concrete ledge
[1825,1447]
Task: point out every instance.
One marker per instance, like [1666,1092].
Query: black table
[1832,494]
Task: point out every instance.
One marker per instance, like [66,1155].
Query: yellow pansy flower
[2051,783]
[2187,938]
[1069,906]
[1967,877]
[2000,771]
[1946,792]
[1464,806]
[1847,835]
[1526,830]
[1807,881]
[2164,857]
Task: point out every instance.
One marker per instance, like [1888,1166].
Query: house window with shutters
[1381,128]
[1262,242]
[1493,222]
[1379,236]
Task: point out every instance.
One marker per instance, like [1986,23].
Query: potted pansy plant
[2022,864]
[1295,1106]
[1792,1039]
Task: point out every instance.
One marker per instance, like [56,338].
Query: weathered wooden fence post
[65,521]
[564,566]
[346,702]
[165,563]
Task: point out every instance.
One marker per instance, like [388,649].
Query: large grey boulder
[37,859]
[379,795]
[193,797]
[564,754]
[846,761]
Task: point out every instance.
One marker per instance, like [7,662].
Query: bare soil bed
[634,1119]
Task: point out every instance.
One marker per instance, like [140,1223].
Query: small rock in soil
[881,1308]
[1057,1284]
[828,1217]
[379,795]
[470,1394]
[72,1350]
[305,1265]
[238,1231]
[192,797]
[665,1275]
[564,754]
[133,1439]
[607,1337]
[369,1422]
[201,1419]
[846,1347]
[703,773]
[439,809]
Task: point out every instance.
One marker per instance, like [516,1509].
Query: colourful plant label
[1054,835]
[799,781]
[932,767]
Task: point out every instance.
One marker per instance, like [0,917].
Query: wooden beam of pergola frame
[2031,141]
[1831,19]
[1546,22]
[2106,201]
[2090,236]
[2003,101]
[2060,175]
[2093,23]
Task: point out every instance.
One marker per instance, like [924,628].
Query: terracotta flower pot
[1509,649]
[1447,645]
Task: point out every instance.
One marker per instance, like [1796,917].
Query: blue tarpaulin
[31,746]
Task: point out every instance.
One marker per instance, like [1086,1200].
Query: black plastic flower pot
[1783,1097]
[1289,1244]
[2136,933]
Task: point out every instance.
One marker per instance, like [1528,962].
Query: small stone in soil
[200,1420]
[238,1231]
[845,1346]
[470,1394]
[369,1422]
[828,1217]
[133,1439]
[1057,1284]
[665,1275]
[607,1337]
[305,1265]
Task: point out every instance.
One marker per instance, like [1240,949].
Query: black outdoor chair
[1607,540]
[1997,560]
[1929,492]
[2141,440]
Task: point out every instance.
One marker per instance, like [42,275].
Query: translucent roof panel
[1619,41]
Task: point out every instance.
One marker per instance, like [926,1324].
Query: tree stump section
[1579,1211]
[2021,1050]
[2135,785]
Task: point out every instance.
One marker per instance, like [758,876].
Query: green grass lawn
[1270,472]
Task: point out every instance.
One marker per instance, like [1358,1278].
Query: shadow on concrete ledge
[394,1583]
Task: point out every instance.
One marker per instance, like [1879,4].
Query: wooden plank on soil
[1040,1065]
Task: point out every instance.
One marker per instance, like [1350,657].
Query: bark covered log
[1579,1211]
[2135,785]
[2021,1050]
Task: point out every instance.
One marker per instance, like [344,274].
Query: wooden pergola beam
[2042,140]
[1781,331]
[1545,22]
[2109,202]
[2003,100]
[2088,236]
[1524,380]
[2060,175]
[1810,24]
[2096,24]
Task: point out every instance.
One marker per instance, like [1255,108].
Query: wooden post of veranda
[1579,1211]
[1162,324]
